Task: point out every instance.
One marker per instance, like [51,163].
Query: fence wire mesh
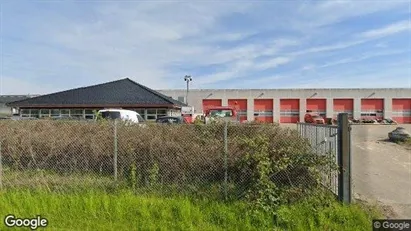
[218,160]
[323,140]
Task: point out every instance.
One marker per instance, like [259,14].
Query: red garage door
[290,110]
[211,102]
[343,106]
[372,109]
[318,106]
[401,110]
[242,105]
[263,110]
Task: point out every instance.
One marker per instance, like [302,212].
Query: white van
[124,115]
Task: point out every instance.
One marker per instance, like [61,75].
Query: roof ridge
[77,88]
[168,99]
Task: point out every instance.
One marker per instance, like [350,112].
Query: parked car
[313,119]
[171,120]
[120,114]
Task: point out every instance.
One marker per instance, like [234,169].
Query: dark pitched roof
[123,92]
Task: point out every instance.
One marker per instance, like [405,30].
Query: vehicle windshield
[221,113]
[110,115]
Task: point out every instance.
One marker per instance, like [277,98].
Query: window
[55,112]
[140,111]
[151,111]
[372,113]
[110,115]
[34,113]
[368,114]
[25,112]
[162,111]
[401,113]
[76,113]
[89,114]
[65,112]
[151,117]
[221,113]
[44,113]
[263,113]
[289,113]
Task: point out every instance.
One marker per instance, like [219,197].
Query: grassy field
[126,211]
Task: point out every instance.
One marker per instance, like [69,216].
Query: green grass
[126,211]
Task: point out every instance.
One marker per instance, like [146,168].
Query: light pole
[187,78]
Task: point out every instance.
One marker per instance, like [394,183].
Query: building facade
[84,102]
[290,105]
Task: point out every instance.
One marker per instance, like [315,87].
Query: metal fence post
[225,159]
[115,150]
[344,159]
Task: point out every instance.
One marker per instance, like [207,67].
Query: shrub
[179,156]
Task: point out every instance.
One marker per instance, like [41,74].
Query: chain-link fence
[323,140]
[217,160]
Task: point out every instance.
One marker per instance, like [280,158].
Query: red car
[314,119]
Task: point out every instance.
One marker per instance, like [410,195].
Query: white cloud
[308,67]
[311,16]
[361,57]
[156,42]
[139,40]
[242,68]
[271,63]
[387,30]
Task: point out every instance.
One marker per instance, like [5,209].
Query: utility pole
[188,79]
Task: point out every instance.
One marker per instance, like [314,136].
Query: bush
[183,157]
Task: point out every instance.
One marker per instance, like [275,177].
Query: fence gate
[333,141]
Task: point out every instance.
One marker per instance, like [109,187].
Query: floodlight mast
[188,79]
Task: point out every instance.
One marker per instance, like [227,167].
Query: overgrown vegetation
[95,210]
[183,157]
[181,173]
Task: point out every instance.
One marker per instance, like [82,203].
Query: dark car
[171,120]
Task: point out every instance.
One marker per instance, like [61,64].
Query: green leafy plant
[154,174]
[133,176]
[263,195]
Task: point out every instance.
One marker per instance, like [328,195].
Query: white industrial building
[290,105]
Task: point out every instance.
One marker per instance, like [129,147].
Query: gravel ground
[381,170]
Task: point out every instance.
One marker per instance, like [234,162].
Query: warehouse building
[83,102]
[290,105]
[265,105]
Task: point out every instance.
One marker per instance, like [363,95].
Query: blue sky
[48,46]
